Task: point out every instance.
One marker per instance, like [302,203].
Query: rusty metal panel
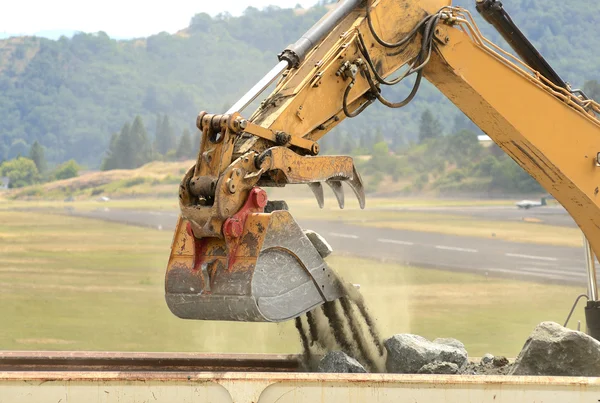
[243,387]
[73,362]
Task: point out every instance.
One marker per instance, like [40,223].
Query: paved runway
[550,215]
[540,263]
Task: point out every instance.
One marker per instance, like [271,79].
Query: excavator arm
[238,256]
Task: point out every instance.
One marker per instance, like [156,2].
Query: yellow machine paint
[236,257]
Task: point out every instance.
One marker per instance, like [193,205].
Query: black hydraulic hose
[426,46]
[345,103]
[416,66]
[427,42]
[363,50]
[402,103]
[390,44]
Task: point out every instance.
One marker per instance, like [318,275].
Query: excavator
[238,256]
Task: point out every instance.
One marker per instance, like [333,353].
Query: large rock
[448,341]
[339,362]
[554,350]
[440,368]
[408,353]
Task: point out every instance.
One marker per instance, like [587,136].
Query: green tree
[463,147]
[120,150]
[380,149]
[509,176]
[165,137]
[184,149]
[429,127]
[142,150]
[156,134]
[36,153]
[18,148]
[20,171]
[125,149]
[381,160]
[66,170]
[486,167]
[109,161]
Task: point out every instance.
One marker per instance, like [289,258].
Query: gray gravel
[442,368]
[339,362]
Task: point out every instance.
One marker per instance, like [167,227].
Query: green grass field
[78,284]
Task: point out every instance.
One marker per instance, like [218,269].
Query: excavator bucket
[266,269]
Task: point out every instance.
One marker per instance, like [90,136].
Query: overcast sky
[118,18]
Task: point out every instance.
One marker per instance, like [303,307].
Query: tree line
[447,163]
[31,169]
[132,147]
[71,94]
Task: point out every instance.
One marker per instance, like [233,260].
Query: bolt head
[233,228]
[259,197]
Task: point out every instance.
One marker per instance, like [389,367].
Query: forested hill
[71,95]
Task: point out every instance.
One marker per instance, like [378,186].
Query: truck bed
[252,378]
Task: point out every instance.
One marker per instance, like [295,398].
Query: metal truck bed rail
[77,361]
[181,378]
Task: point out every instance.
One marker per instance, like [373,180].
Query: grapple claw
[338,191]
[317,190]
[356,185]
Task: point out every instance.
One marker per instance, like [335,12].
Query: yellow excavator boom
[238,256]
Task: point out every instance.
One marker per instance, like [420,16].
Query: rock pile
[550,350]
[413,354]
[344,334]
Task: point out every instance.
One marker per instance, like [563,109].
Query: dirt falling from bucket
[307,356]
[357,299]
[363,353]
[343,325]
[336,321]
